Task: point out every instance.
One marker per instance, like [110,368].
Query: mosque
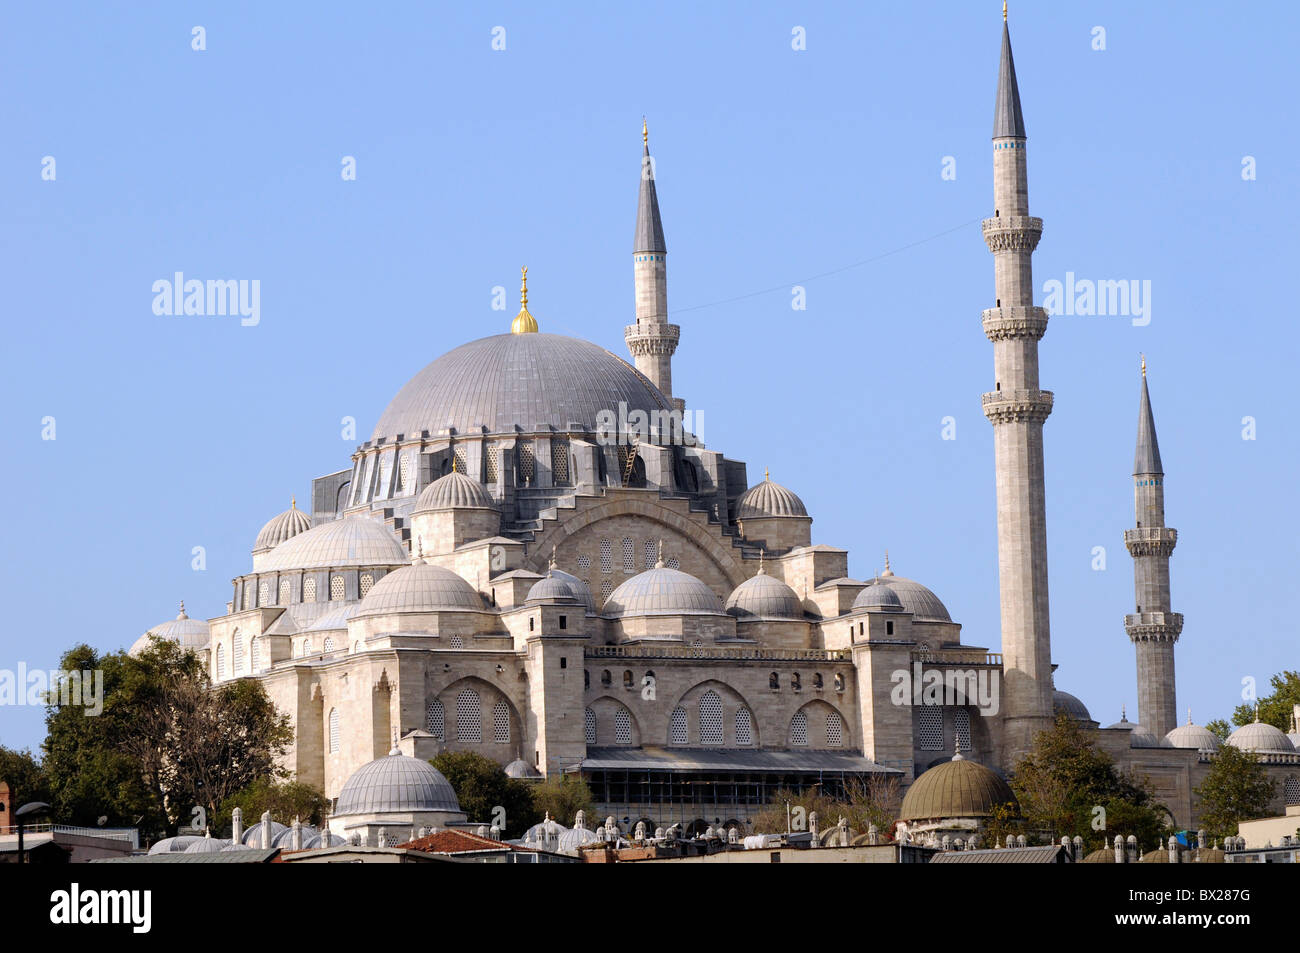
[533,558]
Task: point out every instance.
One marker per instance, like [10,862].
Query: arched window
[677,727]
[239,653]
[435,719]
[334,730]
[500,722]
[285,591]
[606,556]
[589,725]
[622,727]
[329,644]
[839,682]
[356,647]
[469,717]
[586,678]
[257,655]
[774,680]
[629,555]
[799,729]
[309,589]
[221,662]
[817,680]
[650,553]
[930,720]
[336,588]
[710,718]
[606,679]
[834,730]
[404,474]
[627,678]
[961,728]
[306,646]
[264,593]
[559,460]
[1290,790]
[744,727]
[367,580]
[796,682]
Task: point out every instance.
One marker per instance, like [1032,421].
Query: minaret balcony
[1153,626]
[1006,406]
[652,338]
[1012,233]
[1007,323]
[1151,540]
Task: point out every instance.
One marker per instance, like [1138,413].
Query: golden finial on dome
[1144,365]
[293,502]
[645,133]
[524,322]
[1004,11]
[767,474]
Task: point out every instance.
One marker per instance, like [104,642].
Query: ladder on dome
[631,461]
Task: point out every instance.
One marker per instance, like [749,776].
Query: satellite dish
[102,821]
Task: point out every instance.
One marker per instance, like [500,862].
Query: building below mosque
[533,558]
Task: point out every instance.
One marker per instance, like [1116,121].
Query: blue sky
[773,165]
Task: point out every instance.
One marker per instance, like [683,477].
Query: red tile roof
[458,842]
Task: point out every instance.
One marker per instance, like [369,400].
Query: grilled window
[285,592]
[435,719]
[606,556]
[239,654]
[677,727]
[799,729]
[404,474]
[329,644]
[367,580]
[710,719]
[264,594]
[589,725]
[629,555]
[334,730]
[961,728]
[500,722]
[560,460]
[257,655]
[622,727]
[524,453]
[469,717]
[744,727]
[931,728]
[650,553]
[834,730]
[309,590]
[221,662]
[336,588]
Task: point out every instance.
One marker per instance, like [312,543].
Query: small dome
[175,845]
[455,490]
[1192,736]
[1261,737]
[208,845]
[1123,723]
[1158,856]
[581,591]
[519,768]
[878,595]
[253,835]
[1072,706]
[189,633]
[396,784]
[1102,855]
[924,605]
[351,541]
[284,839]
[764,597]
[282,527]
[1141,737]
[420,588]
[662,591]
[551,587]
[768,499]
[956,788]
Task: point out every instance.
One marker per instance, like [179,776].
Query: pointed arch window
[710,718]
[334,731]
[501,722]
[435,719]
[677,727]
[799,729]
[221,662]
[622,727]
[589,725]
[744,728]
[834,730]
[469,717]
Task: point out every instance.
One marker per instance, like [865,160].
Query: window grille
[524,452]
[239,654]
[257,655]
[1291,791]
[306,646]
[469,717]
[677,727]
[248,596]
[367,580]
[329,644]
[744,728]
[622,727]
[264,594]
[500,722]
[589,725]
[650,553]
[404,474]
[435,719]
[285,592]
[584,562]
[961,727]
[309,590]
[931,728]
[492,465]
[560,460]
[456,642]
[710,719]
[629,555]
[606,590]
[459,459]
[799,729]
[334,730]
[221,662]
[834,730]
[336,588]
[606,556]
[673,563]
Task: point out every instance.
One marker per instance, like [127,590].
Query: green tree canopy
[1236,788]
[482,788]
[1276,708]
[284,799]
[25,776]
[563,797]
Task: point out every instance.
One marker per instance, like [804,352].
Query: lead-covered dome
[188,633]
[1193,736]
[956,788]
[767,499]
[551,587]
[764,597]
[454,491]
[663,591]
[420,588]
[351,541]
[281,527]
[396,784]
[518,379]
[915,598]
[878,596]
[1070,705]
[1261,738]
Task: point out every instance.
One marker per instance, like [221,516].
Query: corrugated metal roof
[1009,855]
[727,759]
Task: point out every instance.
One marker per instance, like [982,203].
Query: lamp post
[29,809]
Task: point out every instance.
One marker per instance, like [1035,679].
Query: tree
[25,776]
[284,799]
[563,797]
[1275,709]
[1066,786]
[1220,728]
[1236,788]
[485,792]
[865,801]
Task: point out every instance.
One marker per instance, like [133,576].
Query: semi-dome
[956,788]
[351,541]
[767,499]
[454,490]
[396,784]
[764,597]
[551,587]
[518,379]
[1261,738]
[420,588]
[282,527]
[188,633]
[662,591]
[1143,737]
[878,596]
[1070,705]
[1193,736]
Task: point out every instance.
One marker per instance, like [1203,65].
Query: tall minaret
[652,340]
[1017,408]
[1153,628]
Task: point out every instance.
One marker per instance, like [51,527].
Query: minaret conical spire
[1008,121]
[1147,458]
[649,226]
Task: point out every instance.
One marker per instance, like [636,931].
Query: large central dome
[518,379]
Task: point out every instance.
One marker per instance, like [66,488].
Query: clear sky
[775,167]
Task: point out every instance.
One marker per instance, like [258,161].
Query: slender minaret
[652,340]
[1153,628]
[1017,408]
